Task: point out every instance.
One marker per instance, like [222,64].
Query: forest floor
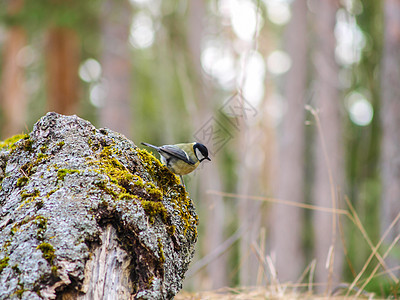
[255,293]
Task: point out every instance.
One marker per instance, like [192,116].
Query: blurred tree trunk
[390,118]
[116,63]
[326,188]
[253,164]
[12,90]
[63,56]
[287,224]
[210,178]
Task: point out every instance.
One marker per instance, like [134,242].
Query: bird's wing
[176,152]
[151,146]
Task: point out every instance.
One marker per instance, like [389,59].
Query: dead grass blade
[263,234]
[359,225]
[280,201]
[374,251]
[378,265]
[221,249]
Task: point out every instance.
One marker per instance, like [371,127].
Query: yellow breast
[182,168]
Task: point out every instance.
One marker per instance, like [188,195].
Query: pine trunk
[63,54]
[12,91]
[116,62]
[390,118]
[329,168]
[286,231]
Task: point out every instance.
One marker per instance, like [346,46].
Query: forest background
[298,102]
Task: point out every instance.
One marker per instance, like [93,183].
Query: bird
[181,159]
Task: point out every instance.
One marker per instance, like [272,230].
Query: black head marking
[203,152]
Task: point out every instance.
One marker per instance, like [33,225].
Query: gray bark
[85,214]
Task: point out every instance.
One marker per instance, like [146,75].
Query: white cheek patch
[199,155]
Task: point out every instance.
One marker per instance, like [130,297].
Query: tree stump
[85,214]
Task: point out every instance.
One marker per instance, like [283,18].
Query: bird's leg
[183,183]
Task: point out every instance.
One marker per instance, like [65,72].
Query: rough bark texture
[85,214]
[390,118]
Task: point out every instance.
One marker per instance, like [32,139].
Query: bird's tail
[150,145]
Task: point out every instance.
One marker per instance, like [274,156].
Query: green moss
[16,269]
[160,173]
[39,204]
[43,149]
[150,282]
[61,173]
[103,185]
[41,156]
[34,194]
[153,209]
[61,144]
[153,191]
[10,142]
[30,167]
[161,251]
[27,146]
[51,192]
[4,263]
[22,181]
[171,229]
[48,252]
[138,181]
[19,293]
[5,246]
[123,184]
[54,271]
[127,196]
[41,223]
[167,181]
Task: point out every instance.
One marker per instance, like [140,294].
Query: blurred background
[298,102]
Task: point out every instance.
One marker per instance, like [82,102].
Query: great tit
[181,159]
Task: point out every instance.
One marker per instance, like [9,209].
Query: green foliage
[35,15]
[363,154]
[384,287]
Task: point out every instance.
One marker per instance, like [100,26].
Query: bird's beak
[208,158]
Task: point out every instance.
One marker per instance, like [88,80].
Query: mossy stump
[85,214]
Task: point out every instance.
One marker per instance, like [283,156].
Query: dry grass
[304,289]
[255,293]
